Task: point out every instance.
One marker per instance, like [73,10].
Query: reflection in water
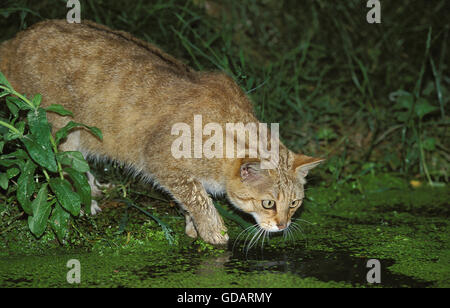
[325,266]
[213,265]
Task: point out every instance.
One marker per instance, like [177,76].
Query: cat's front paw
[216,238]
[213,234]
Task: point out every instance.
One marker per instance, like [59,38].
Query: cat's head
[271,196]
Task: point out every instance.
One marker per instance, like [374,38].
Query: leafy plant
[410,112]
[50,186]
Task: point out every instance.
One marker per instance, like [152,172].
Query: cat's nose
[281,226]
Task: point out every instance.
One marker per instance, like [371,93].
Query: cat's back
[53,56]
[91,69]
[59,41]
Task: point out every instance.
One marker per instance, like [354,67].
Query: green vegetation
[33,164]
[405,228]
[371,98]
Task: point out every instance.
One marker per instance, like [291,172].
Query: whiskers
[297,228]
[247,230]
[254,234]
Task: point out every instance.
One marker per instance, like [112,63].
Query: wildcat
[134,93]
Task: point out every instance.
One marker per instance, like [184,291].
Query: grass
[336,84]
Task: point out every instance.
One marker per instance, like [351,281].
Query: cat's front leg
[202,216]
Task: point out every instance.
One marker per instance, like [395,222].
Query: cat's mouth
[271,225]
[274,227]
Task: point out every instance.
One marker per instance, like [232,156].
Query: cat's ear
[250,171]
[302,164]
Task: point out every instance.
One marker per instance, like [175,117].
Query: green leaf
[74,160]
[326,133]
[404,101]
[21,154]
[18,102]
[63,132]
[82,187]
[68,199]
[38,143]
[43,155]
[4,81]
[26,186]
[12,108]
[429,144]
[37,99]
[18,158]
[3,129]
[41,211]
[39,126]
[59,109]
[20,127]
[96,131]
[12,135]
[2,144]
[402,116]
[423,107]
[4,181]
[12,162]
[12,172]
[59,221]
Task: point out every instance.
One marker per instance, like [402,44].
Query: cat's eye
[295,203]
[268,204]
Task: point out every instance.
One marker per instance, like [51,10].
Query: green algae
[380,217]
[387,220]
[140,271]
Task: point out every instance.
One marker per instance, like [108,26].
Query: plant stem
[23,98]
[11,127]
[422,154]
[47,177]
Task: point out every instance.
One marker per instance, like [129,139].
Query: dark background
[369,97]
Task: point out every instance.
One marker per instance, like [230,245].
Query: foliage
[34,171]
